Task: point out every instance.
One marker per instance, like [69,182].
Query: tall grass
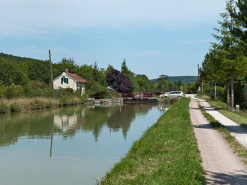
[27,104]
[167,153]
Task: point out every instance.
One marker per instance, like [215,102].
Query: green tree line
[26,77]
[225,65]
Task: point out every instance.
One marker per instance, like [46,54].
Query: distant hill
[15,58]
[184,79]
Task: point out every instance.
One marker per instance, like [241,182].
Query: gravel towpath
[240,133]
[221,165]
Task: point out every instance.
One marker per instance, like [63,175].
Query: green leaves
[11,73]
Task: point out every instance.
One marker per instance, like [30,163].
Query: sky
[155,37]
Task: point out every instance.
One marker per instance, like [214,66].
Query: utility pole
[53,94]
[199,88]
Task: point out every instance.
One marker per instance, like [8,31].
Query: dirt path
[221,165]
[240,133]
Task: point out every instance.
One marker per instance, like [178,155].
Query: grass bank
[27,104]
[238,148]
[167,153]
[238,117]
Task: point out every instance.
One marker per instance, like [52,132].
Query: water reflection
[82,142]
[68,121]
[33,125]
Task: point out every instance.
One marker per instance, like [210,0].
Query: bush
[3,107]
[1,89]
[169,100]
[221,93]
[37,89]
[15,107]
[61,93]
[36,104]
[14,91]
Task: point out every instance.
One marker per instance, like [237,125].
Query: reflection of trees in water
[95,119]
[40,125]
[123,117]
[118,117]
[34,125]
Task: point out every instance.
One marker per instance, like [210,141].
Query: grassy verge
[27,104]
[238,148]
[167,153]
[238,117]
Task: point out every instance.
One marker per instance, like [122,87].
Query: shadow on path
[223,178]
[234,128]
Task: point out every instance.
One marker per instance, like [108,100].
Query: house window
[64,80]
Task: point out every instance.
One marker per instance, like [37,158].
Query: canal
[74,145]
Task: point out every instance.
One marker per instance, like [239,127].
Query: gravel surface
[240,133]
[221,165]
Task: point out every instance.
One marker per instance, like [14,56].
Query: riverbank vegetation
[167,153]
[23,104]
[26,77]
[25,83]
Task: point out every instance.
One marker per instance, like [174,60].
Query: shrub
[13,91]
[1,89]
[37,89]
[3,107]
[15,107]
[172,100]
[36,104]
[169,100]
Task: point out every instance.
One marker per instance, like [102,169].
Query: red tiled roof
[77,78]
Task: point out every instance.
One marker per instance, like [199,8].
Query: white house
[70,80]
[67,123]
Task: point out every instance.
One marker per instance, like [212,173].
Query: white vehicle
[173,94]
[165,94]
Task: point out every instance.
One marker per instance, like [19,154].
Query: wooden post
[52,87]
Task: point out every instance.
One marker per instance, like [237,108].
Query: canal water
[75,145]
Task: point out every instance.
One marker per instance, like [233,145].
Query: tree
[211,71]
[37,70]
[143,82]
[98,75]
[11,73]
[95,70]
[124,68]
[118,81]
[93,86]
[229,48]
[109,69]
[239,14]
[65,63]
[163,83]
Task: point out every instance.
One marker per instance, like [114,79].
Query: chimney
[66,71]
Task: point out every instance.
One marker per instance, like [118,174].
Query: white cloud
[35,17]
